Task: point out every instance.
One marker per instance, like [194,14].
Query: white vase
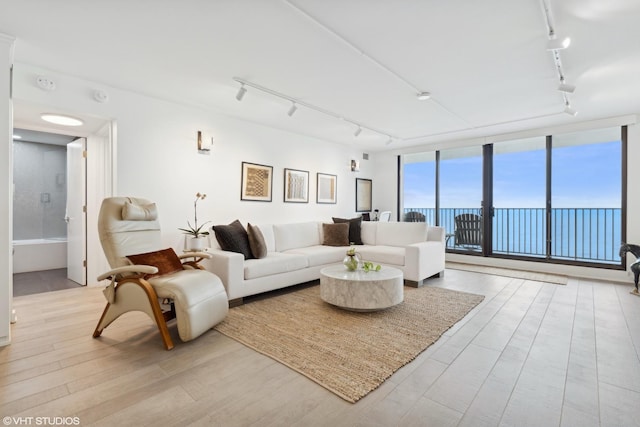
[197,243]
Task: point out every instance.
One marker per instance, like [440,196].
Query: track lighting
[568,110]
[241,92]
[566,87]
[292,110]
[423,96]
[558,44]
[295,103]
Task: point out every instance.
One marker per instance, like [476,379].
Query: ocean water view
[579,234]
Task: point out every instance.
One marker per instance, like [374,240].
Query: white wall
[6,190]
[385,194]
[157,156]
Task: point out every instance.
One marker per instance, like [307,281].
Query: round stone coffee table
[359,290]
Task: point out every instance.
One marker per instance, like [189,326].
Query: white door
[75,217]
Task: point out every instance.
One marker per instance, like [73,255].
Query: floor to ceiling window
[419,195]
[559,197]
[461,197]
[586,196]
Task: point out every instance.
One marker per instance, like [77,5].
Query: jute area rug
[348,353]
[518,274]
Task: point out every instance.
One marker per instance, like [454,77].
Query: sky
[583,176]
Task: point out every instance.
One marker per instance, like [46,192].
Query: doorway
[48,227]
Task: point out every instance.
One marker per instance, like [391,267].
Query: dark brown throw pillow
[233,238]
[165,260]
[256,242]
[354,229]
[335,234]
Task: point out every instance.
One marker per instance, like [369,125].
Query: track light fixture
[295,103]
[292,110]
[566,87]
[558,44]
[568,110]
[241,92]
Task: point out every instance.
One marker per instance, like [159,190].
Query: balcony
[577,234]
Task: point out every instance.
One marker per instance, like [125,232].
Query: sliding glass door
[519,195]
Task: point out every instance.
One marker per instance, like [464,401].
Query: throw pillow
[233,238]
[335,234]
[132,212]
[256,242]
[354,229]
[166,260]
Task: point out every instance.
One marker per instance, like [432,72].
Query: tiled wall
[40,197]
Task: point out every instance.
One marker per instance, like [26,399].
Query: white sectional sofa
[295,254]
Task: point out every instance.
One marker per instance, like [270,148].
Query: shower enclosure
[39,203]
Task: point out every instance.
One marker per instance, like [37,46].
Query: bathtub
[39,254]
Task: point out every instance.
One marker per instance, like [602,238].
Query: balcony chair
[385,216]
[413,216]
[468,230]
[157,282]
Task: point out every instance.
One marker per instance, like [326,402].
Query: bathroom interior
[39,212]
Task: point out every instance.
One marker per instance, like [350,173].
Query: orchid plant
[195,230]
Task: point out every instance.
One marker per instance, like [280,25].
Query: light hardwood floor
[531,354]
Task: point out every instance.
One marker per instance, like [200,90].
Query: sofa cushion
[400,233]
[335,234]
[267,233]
[234,238]
[368,232]
[274,263]
[393,255]
[296,235]
[165,260]
[256,242]
[321,255]
[355,237]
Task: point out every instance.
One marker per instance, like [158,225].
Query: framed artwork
[363,195]
[296,186]
[257,181]
[326,191]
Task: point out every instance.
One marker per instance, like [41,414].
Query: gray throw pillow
[256,242]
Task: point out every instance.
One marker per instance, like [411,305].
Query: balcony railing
[579,234]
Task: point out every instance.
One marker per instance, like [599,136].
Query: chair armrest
[200,255]
[140,269]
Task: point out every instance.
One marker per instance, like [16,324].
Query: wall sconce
[204,143]
[355,166]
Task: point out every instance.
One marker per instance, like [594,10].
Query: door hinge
[84,153]
[84,209]
[84,263]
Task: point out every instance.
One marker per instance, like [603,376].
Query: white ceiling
[484,62]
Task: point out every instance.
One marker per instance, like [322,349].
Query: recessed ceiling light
[423,96]
[16,136]
[61,119]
